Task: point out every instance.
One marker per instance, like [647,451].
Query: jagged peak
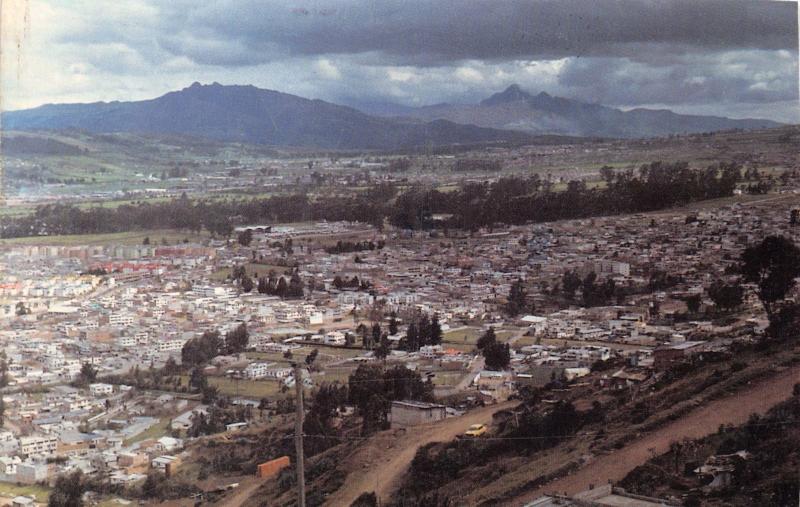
[513,93]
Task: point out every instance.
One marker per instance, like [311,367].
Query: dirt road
[247,487]
[380,465]
[734,409]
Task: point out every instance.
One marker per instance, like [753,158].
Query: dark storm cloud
[435,32]
[745,76]
[718,56]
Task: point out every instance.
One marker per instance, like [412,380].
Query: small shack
[272,468]
[413,413]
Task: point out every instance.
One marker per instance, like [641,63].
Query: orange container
[272,468]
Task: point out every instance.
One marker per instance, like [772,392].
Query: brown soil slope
[734,409]
[380,464]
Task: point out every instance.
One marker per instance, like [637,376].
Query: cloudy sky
[727,57]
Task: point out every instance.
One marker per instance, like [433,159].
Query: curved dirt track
[734,409]
[380,464]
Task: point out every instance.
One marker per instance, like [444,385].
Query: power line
[298,438]
[536,437]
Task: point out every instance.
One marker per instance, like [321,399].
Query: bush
[366,500]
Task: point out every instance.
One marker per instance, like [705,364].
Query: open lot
[156,237]
[10,490]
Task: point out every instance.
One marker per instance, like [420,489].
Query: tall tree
[3,370]
[773,264]
[88,374]
[411,341]
[726,296]
[497,356]
[516,298]
[237,339]
[282,290]
[693,303]
[375,337]
[435,333]
[68,491]
[383,349]
[295,289]
[245,237]
[311,357]
[488,338]
[570,282]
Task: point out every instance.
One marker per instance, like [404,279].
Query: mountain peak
[511,94]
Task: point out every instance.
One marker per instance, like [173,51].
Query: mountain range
[256,116]
[516,109]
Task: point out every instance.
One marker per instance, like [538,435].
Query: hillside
[251,115]
[759,458]
[517,109]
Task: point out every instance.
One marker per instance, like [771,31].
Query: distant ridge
[251,115]
[516,109]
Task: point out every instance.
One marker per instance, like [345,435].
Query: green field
[156,431]
[173,237]
[467,336]
[471,335]
[333,375]
[248,388]
[447,378]
[40,493]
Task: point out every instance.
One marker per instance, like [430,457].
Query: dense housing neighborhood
[106,373]
[414,253]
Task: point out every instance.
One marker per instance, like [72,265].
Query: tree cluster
[773,265]
[354,283]
[199,350]
[278,286]
[423,330]
[508,200]
[497,355]
[372,388]
[358,246]
[727,296]
[517,299]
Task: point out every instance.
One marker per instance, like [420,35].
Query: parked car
[476,430]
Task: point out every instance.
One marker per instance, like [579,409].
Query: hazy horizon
[725,58]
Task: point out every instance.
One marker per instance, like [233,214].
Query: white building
[38,445]
[257,370]
[120,319]
[100,389]
[334,338]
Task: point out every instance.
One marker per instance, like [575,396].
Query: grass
[158,430]
[112,502]
[447,378]
[331,375]
[470,336]
[10,490]
[173,237]
[527,340]
[248,388]
[467,336]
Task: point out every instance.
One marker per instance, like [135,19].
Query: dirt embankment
[380,464]
[734,409]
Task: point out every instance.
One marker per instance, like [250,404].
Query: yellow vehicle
[476,430]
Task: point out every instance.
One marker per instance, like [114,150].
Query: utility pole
[298,438]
